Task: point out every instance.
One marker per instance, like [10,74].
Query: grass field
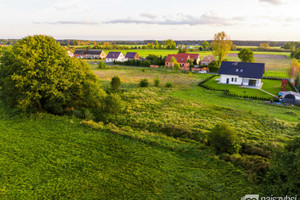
[274,67]
[51,157]
[155,149]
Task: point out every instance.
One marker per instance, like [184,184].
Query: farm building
[242,73]
[115,56]
[132,56]
[89,54]
[290,97]
[207,60]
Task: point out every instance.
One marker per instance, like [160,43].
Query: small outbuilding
[290,97]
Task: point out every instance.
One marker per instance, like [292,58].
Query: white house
[115,56]
[241,73]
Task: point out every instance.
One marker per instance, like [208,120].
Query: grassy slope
[48,156]
[54,157]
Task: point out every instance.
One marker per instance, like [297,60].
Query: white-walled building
[241,73]
[115,56]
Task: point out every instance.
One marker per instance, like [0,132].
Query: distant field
[253,47]
[278,67]
[262,56]
[274,67]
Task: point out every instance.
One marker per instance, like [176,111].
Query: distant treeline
[145,42]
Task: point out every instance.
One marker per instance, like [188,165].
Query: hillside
[155,149]
[45,156]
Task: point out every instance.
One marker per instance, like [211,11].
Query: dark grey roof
[243,69]
[79,51]
[113,54]
[130,54]
[94,52]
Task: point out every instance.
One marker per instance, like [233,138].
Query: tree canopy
[173,60]
[296,54]
[37,74]
[205,45]
[221,45]
[170,44]
[246,55]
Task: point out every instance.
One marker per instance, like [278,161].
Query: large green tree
[246,55]
[205,45]
[37,74]
[296,54]
[221,45]
[169,44]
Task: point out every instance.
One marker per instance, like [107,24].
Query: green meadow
[155,149]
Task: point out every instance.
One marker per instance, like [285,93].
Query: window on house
[235,80]
[237,70]
[231,79]
[242,70]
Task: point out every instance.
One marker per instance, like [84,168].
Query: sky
[272,20]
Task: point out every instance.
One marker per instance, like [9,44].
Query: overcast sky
[151,19]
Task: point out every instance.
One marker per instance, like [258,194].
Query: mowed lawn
[235,89]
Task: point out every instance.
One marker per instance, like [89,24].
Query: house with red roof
[181,59]
[193,56]
[207,60]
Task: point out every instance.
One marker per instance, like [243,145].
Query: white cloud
[69,22]
[148,15]
[274,2]
[209,18]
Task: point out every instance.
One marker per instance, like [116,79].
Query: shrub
[156,82]
[283,177]
[169,84]
[115,83]
[224,139]
[143,70]
[144,83]
[297,82]
[176,131]
[92,124]
[298,127]
[113,104]
[214,66]
[176,67]
[102,65]
[37,74]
